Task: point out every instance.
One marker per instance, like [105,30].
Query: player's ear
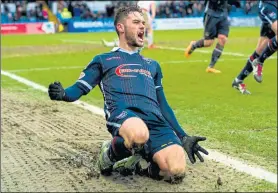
[120,27]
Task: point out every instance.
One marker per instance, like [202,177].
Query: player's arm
[168,113]
[88,79]
[190,143]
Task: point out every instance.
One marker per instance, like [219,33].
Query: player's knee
[141,135]
[171,160]
[134,130]
[177,169]
[222,39]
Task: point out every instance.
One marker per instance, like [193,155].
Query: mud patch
[53,146]
[19,51]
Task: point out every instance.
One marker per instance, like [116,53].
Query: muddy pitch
[53,146]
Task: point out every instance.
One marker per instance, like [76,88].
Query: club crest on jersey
[82,74]
[147,60]
[272,15]
[131,70]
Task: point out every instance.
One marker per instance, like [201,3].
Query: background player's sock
[216,54]
[269,50]
[118,150]
[198,44]
[248,67]
[150,39]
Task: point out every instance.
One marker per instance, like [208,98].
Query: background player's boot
[128,165]
[152,46]
[212,70]
[189,50]
[108,44]
[104,163]
[239,85]
[257,70]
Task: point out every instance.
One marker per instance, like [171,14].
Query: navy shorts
[161,133]
[268,15]
[214,26]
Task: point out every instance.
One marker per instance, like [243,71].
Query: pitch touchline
[81,67]
[214,155]
[164,48]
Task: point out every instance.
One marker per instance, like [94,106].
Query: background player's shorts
[161,133]
[268,15]
[214,26]
[147,18]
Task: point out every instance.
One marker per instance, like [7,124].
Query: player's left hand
[192,148]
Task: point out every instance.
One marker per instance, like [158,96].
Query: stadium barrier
[28,28]
[159,24]
[107,25]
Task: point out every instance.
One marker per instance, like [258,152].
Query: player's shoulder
[149,60]
[105,55]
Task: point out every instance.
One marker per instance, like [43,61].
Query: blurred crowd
[21,11]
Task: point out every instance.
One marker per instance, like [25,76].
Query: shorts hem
[160,148]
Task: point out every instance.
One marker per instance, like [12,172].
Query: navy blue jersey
[271,2]
[216,8]
[127,81]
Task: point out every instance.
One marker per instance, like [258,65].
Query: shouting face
[133,29]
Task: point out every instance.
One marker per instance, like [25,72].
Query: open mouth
[141,36]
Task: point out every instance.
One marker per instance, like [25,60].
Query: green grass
[205,104]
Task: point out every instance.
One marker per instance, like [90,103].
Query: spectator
[8,14]
[44,14]
[79,9]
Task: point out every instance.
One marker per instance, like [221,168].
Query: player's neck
[125,46]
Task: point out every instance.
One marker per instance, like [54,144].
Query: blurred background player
[147,7]
[266,46]
[216,25]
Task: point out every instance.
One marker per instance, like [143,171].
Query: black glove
[191,146]
[56,91]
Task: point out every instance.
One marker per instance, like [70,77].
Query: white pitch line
[165,62]
[165,48]
[34,85]
[200,51]
[83,41]
[160,47]
[214,155]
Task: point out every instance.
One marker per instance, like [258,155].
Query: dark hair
[123,12]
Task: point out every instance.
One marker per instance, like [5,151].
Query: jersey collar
[125,51]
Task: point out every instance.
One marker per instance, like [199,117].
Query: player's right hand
[56,91]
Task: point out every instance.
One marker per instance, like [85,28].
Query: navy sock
[198,44]
[153,171]
[117,150]
[248,67]
[216,54]
[269,50]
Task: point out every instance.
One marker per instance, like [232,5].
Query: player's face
[135,29]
